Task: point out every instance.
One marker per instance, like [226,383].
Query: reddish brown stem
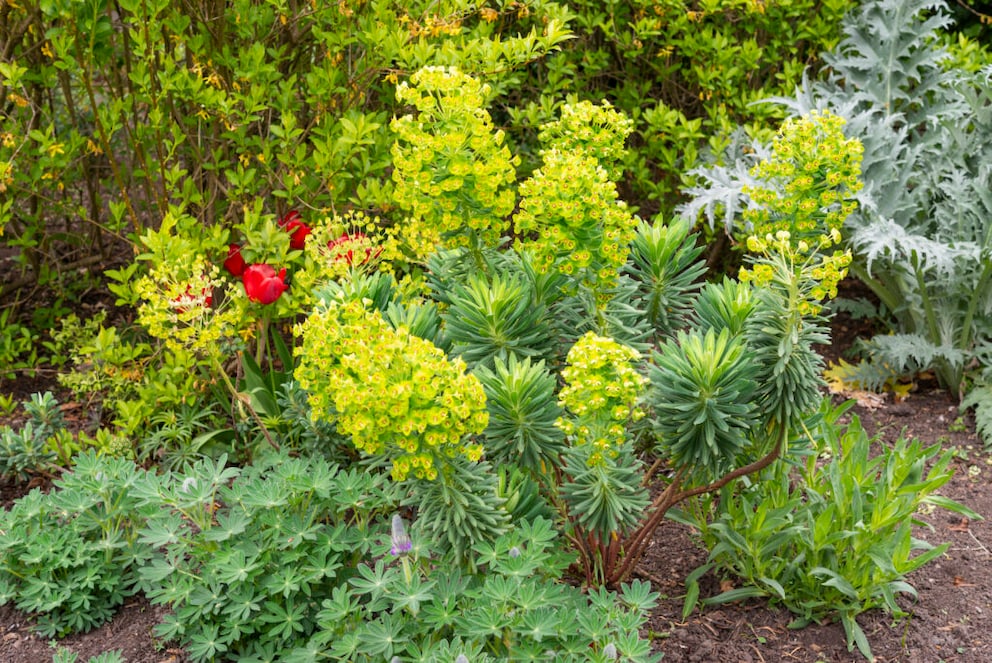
[672,495]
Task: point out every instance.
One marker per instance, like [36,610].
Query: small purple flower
[401,540]
[514,552]
[462,658]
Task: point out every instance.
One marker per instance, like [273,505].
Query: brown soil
[951,620]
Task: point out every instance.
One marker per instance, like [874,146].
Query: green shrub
[686,72]
[32,449]
[148,109]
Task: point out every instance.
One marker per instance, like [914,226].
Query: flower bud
[400,539]
[235,262]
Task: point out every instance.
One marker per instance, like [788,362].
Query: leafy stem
[243,401]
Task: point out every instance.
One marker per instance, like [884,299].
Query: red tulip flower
[262,284]
[234,262]
[297,230]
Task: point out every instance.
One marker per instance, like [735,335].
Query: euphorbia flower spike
[345,245]
[298,231]
[183,302]
[234,263]
[262,284]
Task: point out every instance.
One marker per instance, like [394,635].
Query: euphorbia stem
[671,496]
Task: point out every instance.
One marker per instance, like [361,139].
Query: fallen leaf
[867,399]
[900,391]
[960,527]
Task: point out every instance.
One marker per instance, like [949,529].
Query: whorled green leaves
[497,318]
[664,264]
[520,397]
[725,305]
[788,368]
[702,394]
[603,492]
[461,508]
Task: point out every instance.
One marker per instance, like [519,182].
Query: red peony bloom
[234,263]
[262,284]
[297,229]
[346,245]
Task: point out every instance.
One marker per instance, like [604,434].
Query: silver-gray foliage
[922,234]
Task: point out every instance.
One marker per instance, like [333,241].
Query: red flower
[346,245]
[262,284]
[234,263]
[297,229]
[184,301]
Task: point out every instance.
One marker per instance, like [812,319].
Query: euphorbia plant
[405,406]
[395,394]
[454,177]
[716,402]
[726,395]
[570,216]
[725,403]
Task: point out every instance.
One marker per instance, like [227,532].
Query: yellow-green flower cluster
[452,170]
[177,306]
[811,177]
[340,245]
[577,225]
[820,272]
[600,394]
[598,131]
[395,394]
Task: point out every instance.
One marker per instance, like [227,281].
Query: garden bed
[950,620]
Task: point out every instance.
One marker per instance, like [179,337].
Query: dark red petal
[235,263]
[289,217]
